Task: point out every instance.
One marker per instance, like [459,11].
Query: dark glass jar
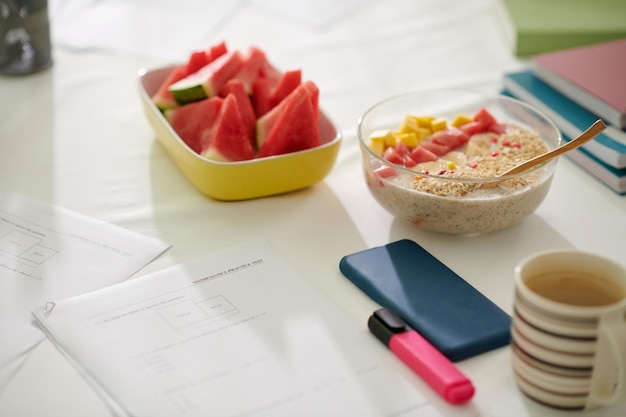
[24,36]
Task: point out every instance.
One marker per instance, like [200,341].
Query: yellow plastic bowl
[246,179]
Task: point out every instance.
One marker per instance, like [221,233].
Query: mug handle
[608,382]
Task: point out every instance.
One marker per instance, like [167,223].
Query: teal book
[570,117]
[611,177]
[538,26]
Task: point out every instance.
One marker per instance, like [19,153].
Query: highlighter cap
[384,324]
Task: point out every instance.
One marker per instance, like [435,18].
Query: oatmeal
[435,182]
[483,210]
[485,156]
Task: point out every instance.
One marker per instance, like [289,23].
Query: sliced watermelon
[208,80]
[217,51]
[267,93]
[163,99]
[497,128]
[392,155]
[261,96]
[485,118]
[402,148]
[435,148]
[193,122]
[219,97]
[263,88]
[251,68]
[229,140]
[472,128]
[385,172]
[296,129]
[266,123]
[421,154]
[237,89]
[287,83]
[408,162]
[451,137]
[197,60]
[315,96]
[272,74]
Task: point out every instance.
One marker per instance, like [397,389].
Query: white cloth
[76,136]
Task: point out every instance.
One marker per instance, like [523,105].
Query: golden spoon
[594,130]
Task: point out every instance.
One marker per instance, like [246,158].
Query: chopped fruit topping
[428,143]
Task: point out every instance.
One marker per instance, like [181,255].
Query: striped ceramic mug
[569,329]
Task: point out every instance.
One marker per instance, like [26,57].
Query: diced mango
[390,139]
[422,133]
[409,124]
[377,146]
[461,119]
[379,139]
[410,139]
[438,124]
[424,121]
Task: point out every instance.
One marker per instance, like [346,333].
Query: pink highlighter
[422,357]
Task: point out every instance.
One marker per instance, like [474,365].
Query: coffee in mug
[569,329]
[576,288]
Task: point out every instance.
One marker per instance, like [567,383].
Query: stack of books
[532,27]
[575,87]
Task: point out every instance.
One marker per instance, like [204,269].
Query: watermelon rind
[163,98]
[207,81]
[188,93]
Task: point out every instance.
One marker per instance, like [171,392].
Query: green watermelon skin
[229,141]
[297,127]
[208,80]
[163,98]
[193,122]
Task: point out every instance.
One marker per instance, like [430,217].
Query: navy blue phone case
[440,305]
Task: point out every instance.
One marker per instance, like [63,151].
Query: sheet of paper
[234,333]
[49,253]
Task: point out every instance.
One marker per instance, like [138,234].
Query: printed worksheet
[48,253]
[234,333]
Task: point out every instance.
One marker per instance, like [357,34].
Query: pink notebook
[594,76]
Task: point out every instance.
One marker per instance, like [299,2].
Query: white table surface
[75,136]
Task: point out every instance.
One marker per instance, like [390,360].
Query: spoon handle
[594,130]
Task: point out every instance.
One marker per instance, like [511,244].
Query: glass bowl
[458,203]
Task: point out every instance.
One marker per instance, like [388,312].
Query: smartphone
[435,301]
